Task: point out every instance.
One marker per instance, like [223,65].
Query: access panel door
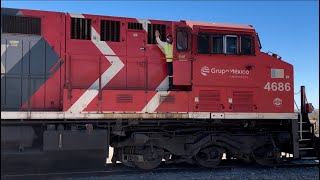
[136,61]
[28,64]
[243,100]
[182,60]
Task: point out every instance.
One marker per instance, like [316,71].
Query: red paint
[145,68]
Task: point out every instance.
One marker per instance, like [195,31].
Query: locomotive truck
[72,85]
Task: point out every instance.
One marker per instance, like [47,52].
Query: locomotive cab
[182,55]
[203,43]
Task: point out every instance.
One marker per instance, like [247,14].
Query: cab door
[136,61]
[182,57]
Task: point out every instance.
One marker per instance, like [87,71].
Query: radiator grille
[209,101]
[80,28]
[243,101]
[21,25]
[137,26]
[110,30]
[170,99]
[151,32]
[124,98]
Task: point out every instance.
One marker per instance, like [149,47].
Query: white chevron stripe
[144,23]
[103,47]
[3,49]
[3,70]
[154,103]
[164,85]
[111,72]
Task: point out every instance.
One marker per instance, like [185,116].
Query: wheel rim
[125,150]
[209,157]
[151,159]
[262,156]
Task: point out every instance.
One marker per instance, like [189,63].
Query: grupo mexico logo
[277,102]
[205,70]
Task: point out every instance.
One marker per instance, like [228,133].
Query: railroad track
[119,169]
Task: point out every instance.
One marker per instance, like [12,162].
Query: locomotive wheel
[150,158]
[263,156]
[125,150]
[209,156]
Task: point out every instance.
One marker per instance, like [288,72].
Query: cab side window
[231,44]
[217,44]
[246,45]
[182,40]
[203,44]
[225,44]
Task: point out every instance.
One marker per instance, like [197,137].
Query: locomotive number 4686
[277,86]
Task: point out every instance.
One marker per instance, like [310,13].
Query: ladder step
[301,149]
[304,139]
[305,131]
[301,122]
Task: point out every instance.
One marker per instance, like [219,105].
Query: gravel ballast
[245,173]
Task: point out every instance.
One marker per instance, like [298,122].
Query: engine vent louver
[110,30]
[137,26]
[151,32]
[21,25]
[171,99]
[80,28]
[243,101]
[209,101]
[124,98]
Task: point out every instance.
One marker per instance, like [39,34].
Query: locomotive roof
[221,25]
[189,23]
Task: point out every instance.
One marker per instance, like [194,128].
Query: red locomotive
[79,83]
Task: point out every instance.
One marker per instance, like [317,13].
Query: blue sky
[288,28]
